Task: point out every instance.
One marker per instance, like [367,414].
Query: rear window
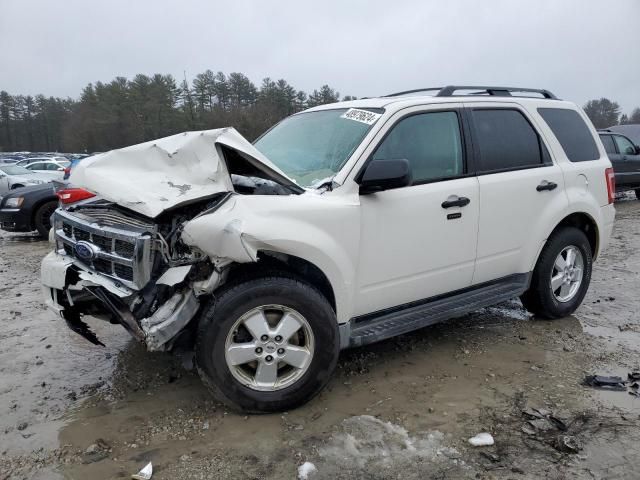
[572,133]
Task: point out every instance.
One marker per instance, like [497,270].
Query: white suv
[341,226]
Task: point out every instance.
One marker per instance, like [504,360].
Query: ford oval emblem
[85,251]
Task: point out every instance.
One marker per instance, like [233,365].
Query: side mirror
[380,175]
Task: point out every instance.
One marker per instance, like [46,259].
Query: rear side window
[607,141]
[506,140]
[572,133]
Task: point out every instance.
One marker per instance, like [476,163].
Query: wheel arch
[270,261]
[584,222]
[36,206]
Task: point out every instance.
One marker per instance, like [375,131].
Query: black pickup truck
[28,208]
[625,158]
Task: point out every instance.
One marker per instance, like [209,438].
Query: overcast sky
[579,49]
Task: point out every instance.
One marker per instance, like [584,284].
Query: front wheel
[267,344]
[561,277]
[42,218]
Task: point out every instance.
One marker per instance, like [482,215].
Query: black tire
[539,299]
[637,190]
[234,301]
[42,218]
[16,185]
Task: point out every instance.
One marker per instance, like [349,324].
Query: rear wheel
[268,344]
[42,217]
[561,277]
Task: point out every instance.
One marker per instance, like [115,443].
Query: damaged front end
[119,253]
[121,267]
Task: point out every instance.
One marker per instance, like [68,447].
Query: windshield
[15,170]
[312,147]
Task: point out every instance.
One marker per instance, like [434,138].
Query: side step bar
[389,323]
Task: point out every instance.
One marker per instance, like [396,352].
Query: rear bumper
[15,220]
[608,217]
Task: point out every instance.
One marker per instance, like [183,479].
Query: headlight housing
[14,202]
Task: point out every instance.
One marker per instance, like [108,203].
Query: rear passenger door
[521,189]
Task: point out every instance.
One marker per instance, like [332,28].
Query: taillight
[72,195]
[610,178]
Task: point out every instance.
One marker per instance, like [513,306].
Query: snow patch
[481,440]
[368,440]
[306,469]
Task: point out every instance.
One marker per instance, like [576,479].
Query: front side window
[625,147]
[572,133]
[431,142]
[312,147]
[506,140]
[36,166]
[607,141]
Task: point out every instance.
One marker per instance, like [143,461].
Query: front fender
[321,230]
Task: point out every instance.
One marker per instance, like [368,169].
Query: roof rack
[449,91]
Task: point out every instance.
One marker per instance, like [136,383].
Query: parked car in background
[41,157]
[631,131]
[343,225]
[52,168]
[12,176]
[625,158]
[10,158]
[73,162]
[28,209]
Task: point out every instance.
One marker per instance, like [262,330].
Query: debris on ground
[567,444]
[606,383]
[306,469]
[481,440]
[145,473]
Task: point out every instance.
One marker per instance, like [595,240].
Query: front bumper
[15,220]
[71,292]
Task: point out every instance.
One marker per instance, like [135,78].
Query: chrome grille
[123,253]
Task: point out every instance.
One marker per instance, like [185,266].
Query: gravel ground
[403,408]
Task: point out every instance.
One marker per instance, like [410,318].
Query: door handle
[544,185]
[455,201]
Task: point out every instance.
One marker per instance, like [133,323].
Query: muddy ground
[403,408]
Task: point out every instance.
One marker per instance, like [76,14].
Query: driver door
[413,244]
[627,163]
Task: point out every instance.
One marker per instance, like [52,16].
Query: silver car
[14,176]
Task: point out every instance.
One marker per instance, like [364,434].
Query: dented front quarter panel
[321,229]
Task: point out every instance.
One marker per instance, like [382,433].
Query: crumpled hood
[154,176]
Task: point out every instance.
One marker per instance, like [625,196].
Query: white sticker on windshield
[362,116]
